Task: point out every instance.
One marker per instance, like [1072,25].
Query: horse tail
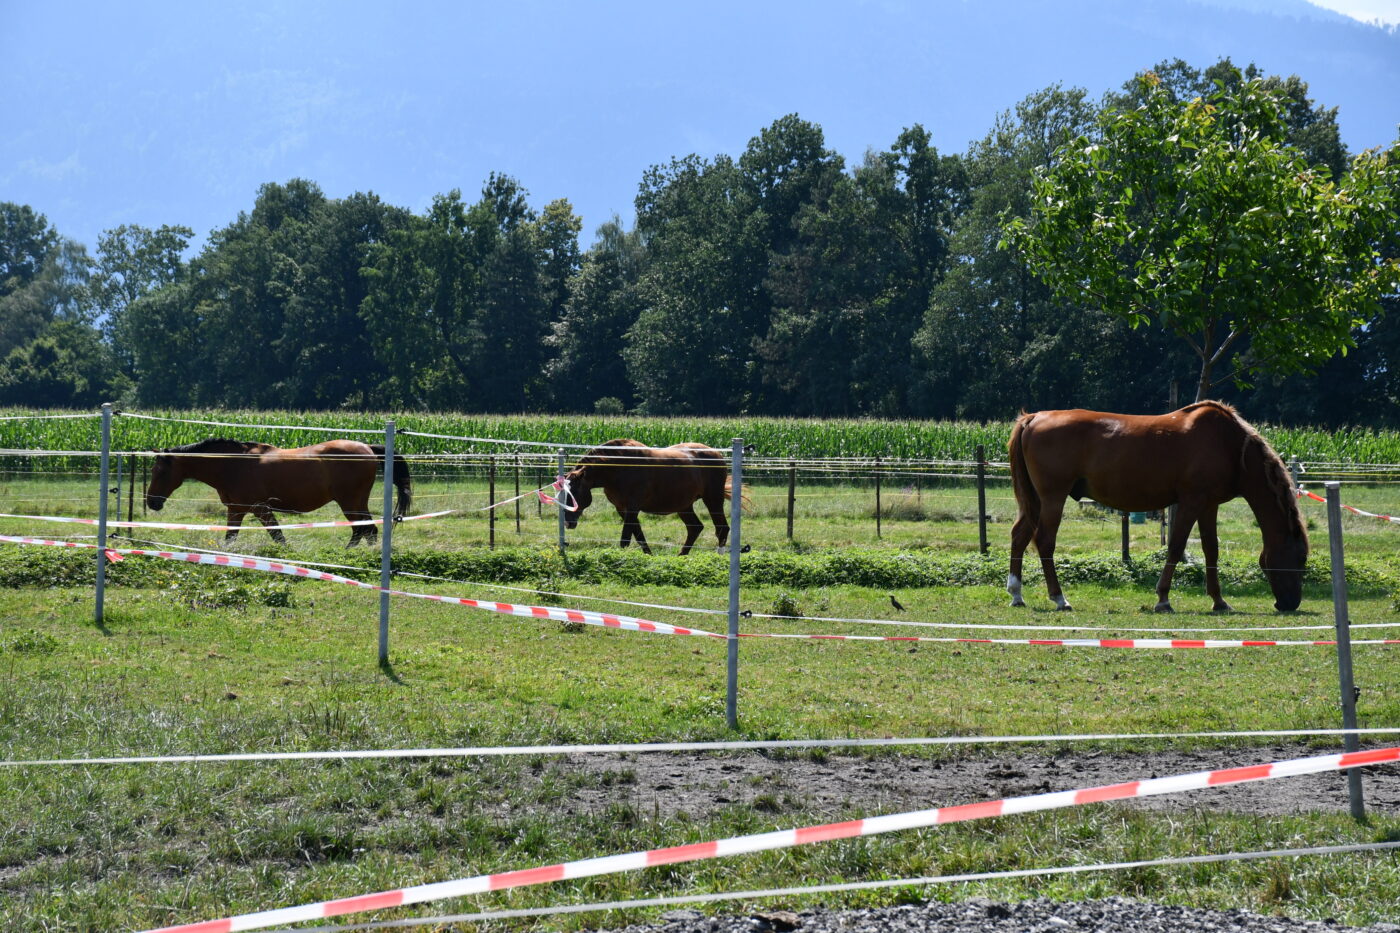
[402,481]
[1026,497]
[745,502]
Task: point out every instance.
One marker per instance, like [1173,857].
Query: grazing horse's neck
[1269,493]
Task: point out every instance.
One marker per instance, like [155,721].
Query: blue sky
[176,112]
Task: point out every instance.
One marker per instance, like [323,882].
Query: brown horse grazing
[1194,458]
[265,480]
[659,481]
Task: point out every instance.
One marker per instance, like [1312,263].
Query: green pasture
[916,511]
[194,665]
[205,660]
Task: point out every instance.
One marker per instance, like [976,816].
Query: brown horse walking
[264,480]
[1195,458]
[659,481]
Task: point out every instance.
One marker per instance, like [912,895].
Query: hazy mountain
[156,114]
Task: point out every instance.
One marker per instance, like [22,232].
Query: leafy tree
[67,367]
[460,300]
[1199,216]
[603,302]
[1311,128]
[994,338]
[26,240]
[133,261]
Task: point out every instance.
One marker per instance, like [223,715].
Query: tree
[1199,216]
[587,338]
[133,261]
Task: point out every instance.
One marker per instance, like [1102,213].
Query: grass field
[127,846]
[196,662]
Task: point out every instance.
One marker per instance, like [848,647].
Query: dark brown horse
[264,480]
[1195,458]
[659,481]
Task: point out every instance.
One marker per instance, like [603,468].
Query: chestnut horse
[1195,458]
[659,481]
[265,480]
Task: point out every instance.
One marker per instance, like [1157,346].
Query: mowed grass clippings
[96,847]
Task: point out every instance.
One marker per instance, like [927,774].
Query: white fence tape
[787,838]
[497,751]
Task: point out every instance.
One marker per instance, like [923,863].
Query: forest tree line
[783,282]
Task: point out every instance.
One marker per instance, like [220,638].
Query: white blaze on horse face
[1013,586]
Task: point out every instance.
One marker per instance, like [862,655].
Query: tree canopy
[1197,224]
[1200,216]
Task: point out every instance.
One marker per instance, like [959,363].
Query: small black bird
[895,603]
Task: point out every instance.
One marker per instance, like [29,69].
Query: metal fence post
[1127,558]
[792,495]
[878,531]
[561,499]
[490,503]
[736,513]
[130,489]
[517,498]
[1339,606]
[103,479]
[982,498]
[385,544]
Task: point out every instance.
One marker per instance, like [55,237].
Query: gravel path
[979,915]
[666,784]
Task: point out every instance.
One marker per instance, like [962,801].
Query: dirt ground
[664,784]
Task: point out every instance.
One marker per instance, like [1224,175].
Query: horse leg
[1051,510]
[235,518]
[367,533]
[693,527]
[269,520]
[715,506]
[1021,534]
[1210,547]
[637,535]
[632,529]
[1176,550]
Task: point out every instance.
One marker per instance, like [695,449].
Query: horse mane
[218,445]
[1275,471]
[603,454]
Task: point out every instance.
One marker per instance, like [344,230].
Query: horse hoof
[1064,607]
[1163,606]
[1222,607]
[1017,602]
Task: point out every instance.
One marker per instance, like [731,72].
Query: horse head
[1275,506]
[167,473]
[581,494]
[1282,561]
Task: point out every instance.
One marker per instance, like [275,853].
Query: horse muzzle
[155,503]
[570,522]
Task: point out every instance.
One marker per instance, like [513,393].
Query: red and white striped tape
[787,838]
[634,624]
[172,526]
[1084,642]
[1353,509]
[583,616]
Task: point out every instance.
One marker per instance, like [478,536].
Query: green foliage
[230,591]
[1198,216]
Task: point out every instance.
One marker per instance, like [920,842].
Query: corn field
[770,437]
